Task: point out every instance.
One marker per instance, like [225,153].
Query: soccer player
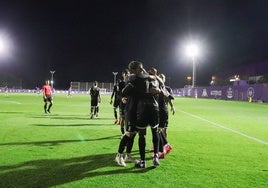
[116,102]
[47,96]
[95,100]
[123,100]
[168,101]
[69,92]
[127,140]
[145,109]
[37,90]
[165,98]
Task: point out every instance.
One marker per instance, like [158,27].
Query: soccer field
[215,143]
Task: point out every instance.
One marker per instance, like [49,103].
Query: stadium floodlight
[52,81]
[115,73]
[192,50]
[4,45]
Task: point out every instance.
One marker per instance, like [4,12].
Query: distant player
[6,90]
[69,93]
[95,100]
[116,96]
[47,96]
[37,89]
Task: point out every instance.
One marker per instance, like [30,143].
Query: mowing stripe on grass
[226,128]
[13,102]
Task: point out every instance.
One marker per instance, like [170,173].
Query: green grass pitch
[215,143]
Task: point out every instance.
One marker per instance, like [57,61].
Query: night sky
[88,40]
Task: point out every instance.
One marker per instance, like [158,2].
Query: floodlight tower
[52,81]
[192,51]
[115,73]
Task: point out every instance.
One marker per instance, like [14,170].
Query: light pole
[52,81]
[115,73]
[192,51]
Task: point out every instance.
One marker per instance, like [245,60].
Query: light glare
[4,46]
[192,50]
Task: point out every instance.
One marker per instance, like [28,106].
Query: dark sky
[88,40]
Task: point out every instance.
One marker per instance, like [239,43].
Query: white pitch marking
[226,128]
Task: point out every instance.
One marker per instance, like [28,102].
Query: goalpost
[85,86]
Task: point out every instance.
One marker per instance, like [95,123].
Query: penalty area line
[225,128]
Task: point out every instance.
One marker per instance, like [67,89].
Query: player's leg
[155,137]
[142,144]
[123,142]
[96,111]
[119,156]
[50,104]
[45,105]
[92,109]
[129,146]
[154,122]
[115,114]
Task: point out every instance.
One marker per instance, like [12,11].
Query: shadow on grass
[72,125]
[11,112]
[69,117]
[57,142]
[53,172]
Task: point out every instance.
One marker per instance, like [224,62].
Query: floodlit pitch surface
[215,143]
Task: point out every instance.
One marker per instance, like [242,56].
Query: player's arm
[170,102]
[113,94]
[44,92]
[99,97]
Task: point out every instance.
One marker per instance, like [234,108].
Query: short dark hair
[133,65]
[125,71]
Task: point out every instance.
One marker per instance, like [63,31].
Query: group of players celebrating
[143,101]
[142,98]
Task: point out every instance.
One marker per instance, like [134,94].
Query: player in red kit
[47,96]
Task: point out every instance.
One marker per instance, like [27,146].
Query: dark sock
[123,143]
[130,144]
[163,137]
[115,113]
[142,145]
[155,140]
[122,130]
[161,145]
[49,107]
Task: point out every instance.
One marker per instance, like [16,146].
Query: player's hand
[173,110]
[124,100]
